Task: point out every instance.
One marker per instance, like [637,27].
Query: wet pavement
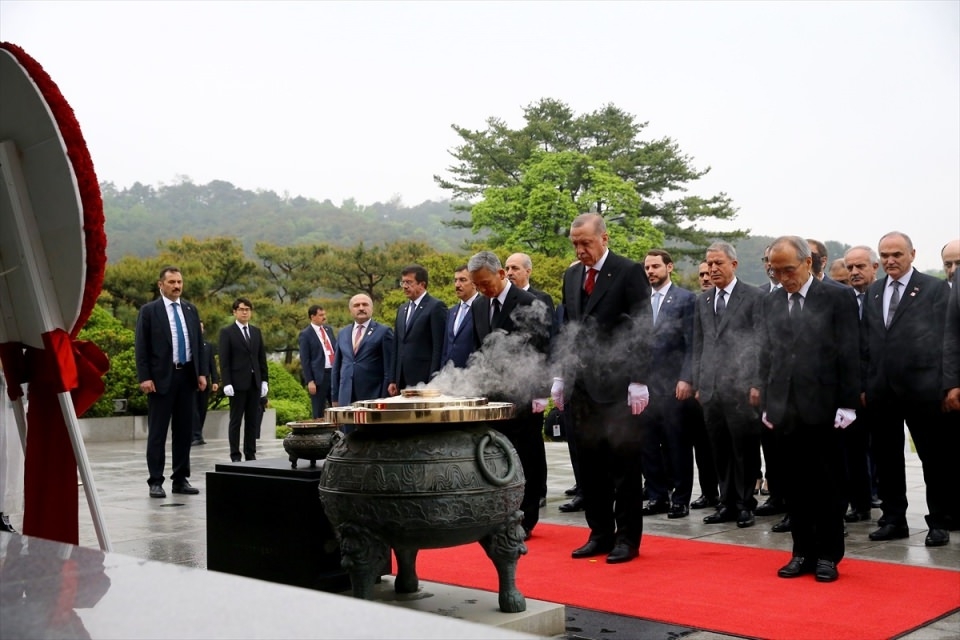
[173,530]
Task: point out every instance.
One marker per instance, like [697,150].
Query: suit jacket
[153,343]
[907,358]
[242,365]
[313,359]
[725,354]
[671,345]
[951,337]
[363,375]
[814,356]
[547,299]
[458,346]
[210,363]
[419,347]
[612,329]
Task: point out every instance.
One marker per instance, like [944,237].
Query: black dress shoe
[770,507]
[198,442]
[543,503]
[678,511]
[592,548]
[622,552]
[654,507]
[723,514]
[572,491]
[574,505]
[7,527]
[875,502]
[856,516]
[890,532]
[235,458]
[784,526]
[937,537]
[527,534]
[703,502]
[746,519]
[156,491]
[184,486]
[826,571]
[797,566]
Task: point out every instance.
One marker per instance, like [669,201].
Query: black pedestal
[265,521]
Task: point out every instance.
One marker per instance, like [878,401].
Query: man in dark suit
[419,332]
[458,338]
[901,349]
[363,367]
[316,358]
[203,397]
[727,382]
[809,367]
[693,415]
[667,441]
[951,353]
[606,301]
[243,366]
[507,321]
[170,370]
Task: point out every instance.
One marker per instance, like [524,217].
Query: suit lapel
[604,278]
[907,296]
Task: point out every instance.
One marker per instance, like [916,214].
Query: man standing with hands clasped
[316,358]
[170,370]
[607,321]
[243,368]
[810,377]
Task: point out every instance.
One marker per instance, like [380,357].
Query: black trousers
[173,410]
[812,465]
[203,399]
[245,407]
[734,429]
[321,398]
[667,451]
[525,433]
[856,445]
[696,426]
[611,480]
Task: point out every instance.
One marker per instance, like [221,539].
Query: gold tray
[420,406]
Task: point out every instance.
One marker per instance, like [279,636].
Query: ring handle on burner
[504,444]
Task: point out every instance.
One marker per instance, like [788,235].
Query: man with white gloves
[243,369]
[810,383]
[601,357]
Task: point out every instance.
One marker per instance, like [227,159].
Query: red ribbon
[50,469]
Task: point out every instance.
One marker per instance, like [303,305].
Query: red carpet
[720,587]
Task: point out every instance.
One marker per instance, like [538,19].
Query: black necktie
[797,306]
[246,333]
[721,302]
[496,312]
[894,301]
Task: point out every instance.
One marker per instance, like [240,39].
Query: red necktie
[591,280]
[326,345]
[357,338]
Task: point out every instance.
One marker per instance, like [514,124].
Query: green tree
[660,174]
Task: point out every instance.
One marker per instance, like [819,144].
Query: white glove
[228,391]
[766,422]
[556,392]
[638,397]
[263,389]
[539,405]
[845,418]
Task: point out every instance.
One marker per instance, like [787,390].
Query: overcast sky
[833,120]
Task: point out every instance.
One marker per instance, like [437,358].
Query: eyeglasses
[785,271]
[407,283]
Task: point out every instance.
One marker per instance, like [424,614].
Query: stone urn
[310,440]
[424,471]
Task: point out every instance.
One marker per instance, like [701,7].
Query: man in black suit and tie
[901,348]
[606,300]
[203,397]
[316,358]
[170,370]
[809,367]
[667,441]
[243,366]
[419,332]
[505,310]
[363,367]
[727,382]
[458,338]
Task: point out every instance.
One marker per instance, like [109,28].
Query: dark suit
[609,329]
[809,364]
[316,366]
[419,346]
[175,400]
[668,443]
[725,368]
[951,337]
[203,397]
[243,365]
[903,380]
[363,375]
[525,430]
[457,346]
